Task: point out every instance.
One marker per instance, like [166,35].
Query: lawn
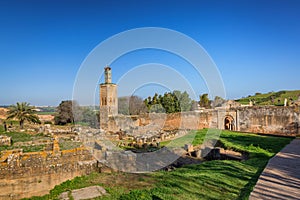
[219,179]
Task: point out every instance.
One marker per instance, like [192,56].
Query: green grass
[223,179]
[218,179]
[68,144]
[23,137]
[1,129]
[8,123]
[265,99]
[31,148]
[12,122]
[82,123]
[116,184]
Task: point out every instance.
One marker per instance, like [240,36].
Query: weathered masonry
[260,119]
[32,174]
[283,120]
[108,99]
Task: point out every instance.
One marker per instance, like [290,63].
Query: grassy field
[218,179]
[68,144]
[23,137]
[266,99]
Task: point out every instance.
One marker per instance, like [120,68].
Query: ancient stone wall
[262,119]
[190,120]
[269,119]
[28,174]
[184,120]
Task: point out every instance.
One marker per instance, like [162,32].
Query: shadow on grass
[218,179]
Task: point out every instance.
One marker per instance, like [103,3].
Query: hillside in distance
[271,98]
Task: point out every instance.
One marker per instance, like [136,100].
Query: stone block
[5,140]
[189,147]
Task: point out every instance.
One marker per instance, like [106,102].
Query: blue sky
[255,44]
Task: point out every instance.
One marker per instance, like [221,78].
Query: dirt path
[281,178]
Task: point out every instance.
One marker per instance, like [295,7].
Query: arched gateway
[229,123]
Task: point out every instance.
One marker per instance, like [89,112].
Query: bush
[47,122]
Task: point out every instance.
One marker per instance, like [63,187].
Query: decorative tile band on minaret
[108,99]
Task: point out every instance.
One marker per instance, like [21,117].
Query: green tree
[123,105]
[133,105]
[136,105]
[184,101]
[204,101]
[23,112]
[218,101]
[148,102]
[170,102]
[155,99]
[194,105]
[65,113]
[89,116]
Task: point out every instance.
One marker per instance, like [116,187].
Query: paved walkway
[281,177]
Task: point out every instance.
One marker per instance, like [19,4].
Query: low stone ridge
[84,193]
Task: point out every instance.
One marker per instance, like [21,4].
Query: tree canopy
[23,112]
[170,102]
[65,113]
[204,101]
[218,101]
[70,112]
[133,105]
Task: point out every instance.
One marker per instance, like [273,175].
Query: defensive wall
[257,119]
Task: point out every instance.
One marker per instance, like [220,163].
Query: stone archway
[229,123]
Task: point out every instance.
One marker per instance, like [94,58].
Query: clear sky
[255,44]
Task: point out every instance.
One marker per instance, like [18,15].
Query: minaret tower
[108,99]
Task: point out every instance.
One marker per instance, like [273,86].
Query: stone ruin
[5,140]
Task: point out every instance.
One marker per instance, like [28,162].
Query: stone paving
[281,177]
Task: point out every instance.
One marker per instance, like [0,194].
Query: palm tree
[23,112]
